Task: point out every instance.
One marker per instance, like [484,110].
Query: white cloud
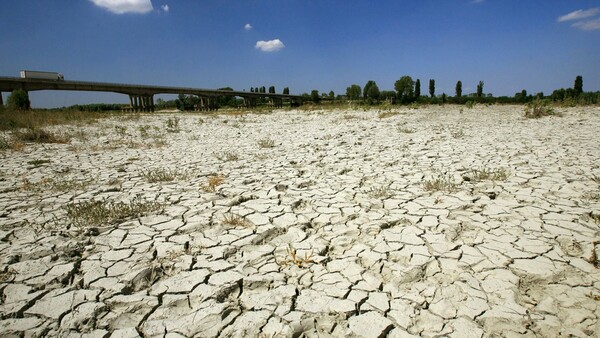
[477,1]
[125,6]
[165,8]
[247,26]
[269,46]
[588,25]
[579,14]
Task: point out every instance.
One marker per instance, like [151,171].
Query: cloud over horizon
[269,46]
[125,6]
[165,8]
[247,26]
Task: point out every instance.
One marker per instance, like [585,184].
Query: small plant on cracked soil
[212,183]
[266,143]
[294,259]
[235,220]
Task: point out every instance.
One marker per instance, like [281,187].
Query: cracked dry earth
[431,222]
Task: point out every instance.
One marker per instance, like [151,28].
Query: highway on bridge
[140,96]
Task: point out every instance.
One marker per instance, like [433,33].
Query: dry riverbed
[442,221]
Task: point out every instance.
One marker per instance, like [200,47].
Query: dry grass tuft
[294,259]
[499,174]
[227,156]
[266,143]
[163,175]
[439,184]
[38,135]
[212,183]
[235,221]
[387,114]
[103,212]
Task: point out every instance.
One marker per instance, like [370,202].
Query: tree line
[408,91]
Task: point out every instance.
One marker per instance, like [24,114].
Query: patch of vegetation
[13,119]
[387,114]
[172,125]
[121,130]
[499,174]
[38,163]
[227,156]
[383,192]
[470,104]
[406,130]
[266,143]
[539,108]
[457,133]
[235,220]
[212,183]
[38,135]
[439,184]
[103,212]
[163,175]
[7,144]
[296,260]
[53,185]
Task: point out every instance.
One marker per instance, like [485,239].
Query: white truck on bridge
[31,74]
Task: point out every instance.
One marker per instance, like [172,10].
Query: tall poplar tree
[432,87]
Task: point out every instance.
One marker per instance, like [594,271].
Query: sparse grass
[266,143]
[470,104]
[457,133]
[294,259]
[144,131]
[596,179]
[539,108]
[592,196]
[439,184]
[406,130]
[212,183]
[387,114]
[383,192]
[38,135]
[121,130]
[38,163]
[227,156]
[11,119]
[103,212]
[54,185]
[499,174]
[235,221]
[172,125]
[163,175]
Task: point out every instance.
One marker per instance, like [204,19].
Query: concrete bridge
[141,97]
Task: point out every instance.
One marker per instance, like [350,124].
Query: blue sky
[537,45]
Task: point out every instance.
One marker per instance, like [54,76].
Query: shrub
[538,108]
[266,143]
[19,99]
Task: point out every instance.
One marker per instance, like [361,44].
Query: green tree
[18,99]
[314,96]
[480,89]
[353,92]
[578,86]
[405,88]
[331,95]
[366,88]
[417,88]
[272,90]
[432,87]
[459,89]
[286,91]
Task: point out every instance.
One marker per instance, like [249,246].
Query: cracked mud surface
[330,232]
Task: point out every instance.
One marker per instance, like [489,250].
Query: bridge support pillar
[142,103]
[1,102]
